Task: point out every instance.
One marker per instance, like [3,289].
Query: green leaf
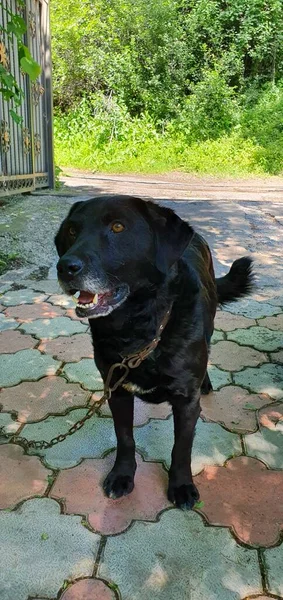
[199,505]
[16,117]
[7,94]
[31,67]
[249,406]
[44,536]
[17,26]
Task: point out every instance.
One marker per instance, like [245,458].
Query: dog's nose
[69,266]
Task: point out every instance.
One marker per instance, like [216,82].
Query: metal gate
[26,150]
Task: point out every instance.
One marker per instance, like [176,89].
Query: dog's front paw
[183,496]
[117,485]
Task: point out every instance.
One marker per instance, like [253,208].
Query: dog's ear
[60,238]
[172,235]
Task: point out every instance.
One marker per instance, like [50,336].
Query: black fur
[162,263]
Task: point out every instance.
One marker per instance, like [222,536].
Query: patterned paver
[92,441]
[212,444]
[29,312]
[218,377]
[166,559]
[88,589]
[8,425]
[41,548]
[274,559]
[227,356]
[277,356]
[7,322]
[227,321]
[52,328]
[33,401]
[260,338]
[12,341]
[27,296]
[85,373]
[275,323]
[62,300]
[217,336]
[266,379]
[21,476]
[108,516]
[267,443]
[69,349]
[253,309]
[27,365]
[143,411]
[234,407]
[231,499]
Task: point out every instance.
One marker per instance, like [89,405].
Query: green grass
[98,138]
[230,156]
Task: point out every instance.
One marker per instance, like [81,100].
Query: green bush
[262,121]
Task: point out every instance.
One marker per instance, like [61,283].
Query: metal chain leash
[130,362]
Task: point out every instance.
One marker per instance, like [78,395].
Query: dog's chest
[145,379]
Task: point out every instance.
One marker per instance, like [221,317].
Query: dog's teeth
[75,299]
[95,299]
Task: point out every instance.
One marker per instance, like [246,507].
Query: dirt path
[177,186]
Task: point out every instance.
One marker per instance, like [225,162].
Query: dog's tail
[237,283]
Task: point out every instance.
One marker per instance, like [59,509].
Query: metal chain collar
[129,362]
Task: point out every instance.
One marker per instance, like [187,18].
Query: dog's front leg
[120,481]
[181,489]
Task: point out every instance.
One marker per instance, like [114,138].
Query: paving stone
[217,336]
[70,312]
[62,300]
[28,365]
[179,556]
[48,286]
[228,321]
[274,559]
[85,373]
[218,378]
[274,323]
[52,328]
[1,308]
[92,441]
[8,425]
[230,357]
[267,443]
[88,589]
[266,379]
[108,516]
[260,338]
[21,476]
[7,322]
[42,548]
[252,308]
[143,411]
[245,496]
[69,349]
[13,298]
[277,356]
[29,312]
[212,444]
[234,407]
[13,341]
[33,401]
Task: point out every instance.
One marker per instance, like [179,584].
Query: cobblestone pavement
[61,538]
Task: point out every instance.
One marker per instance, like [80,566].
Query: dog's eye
[117,227]
[72,232]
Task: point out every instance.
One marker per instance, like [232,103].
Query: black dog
[138,266]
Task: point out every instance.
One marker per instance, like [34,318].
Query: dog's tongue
[85,297]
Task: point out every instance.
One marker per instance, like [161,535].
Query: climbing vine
[14,32]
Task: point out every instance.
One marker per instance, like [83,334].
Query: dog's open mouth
[92,305]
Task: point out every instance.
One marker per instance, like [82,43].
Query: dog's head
[112,246]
